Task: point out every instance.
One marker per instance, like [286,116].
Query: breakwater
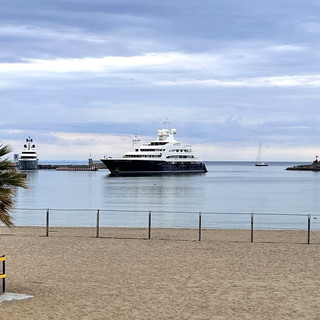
[305,167]
[91,166]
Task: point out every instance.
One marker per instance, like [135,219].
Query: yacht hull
[123,167]
[261,164]
[28,164]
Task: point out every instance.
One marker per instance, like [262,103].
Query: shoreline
[177,234]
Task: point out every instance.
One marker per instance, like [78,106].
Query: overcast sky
[81,77]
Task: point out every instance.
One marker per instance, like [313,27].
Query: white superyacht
[165,155]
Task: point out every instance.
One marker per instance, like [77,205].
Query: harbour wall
[91,166]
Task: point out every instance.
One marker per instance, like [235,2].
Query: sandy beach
[123,275]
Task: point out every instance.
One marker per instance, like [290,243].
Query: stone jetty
[314,166]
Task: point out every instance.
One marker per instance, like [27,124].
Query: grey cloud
[221,41]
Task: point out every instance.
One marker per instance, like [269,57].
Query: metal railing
[247,224]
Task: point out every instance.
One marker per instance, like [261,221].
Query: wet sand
[123,275]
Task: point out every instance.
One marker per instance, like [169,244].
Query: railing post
[47,223]
[98,222]
[4,273]
[252,214]
[309,227]
[149,232]
[200,220]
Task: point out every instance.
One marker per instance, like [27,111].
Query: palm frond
[6,205]
[9,181]
[4,150]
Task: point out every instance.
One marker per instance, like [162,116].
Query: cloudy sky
[82,77]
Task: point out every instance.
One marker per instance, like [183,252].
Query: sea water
[225,197]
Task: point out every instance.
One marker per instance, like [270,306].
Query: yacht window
[158,143]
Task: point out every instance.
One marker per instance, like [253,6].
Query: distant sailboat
[259,163]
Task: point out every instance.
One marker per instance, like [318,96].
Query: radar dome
[173,131]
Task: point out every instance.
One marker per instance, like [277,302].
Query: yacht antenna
[166,122]
[135,142]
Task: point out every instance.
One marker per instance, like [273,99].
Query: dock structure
[304,167]
[314,166]
[77,168]
[91,166]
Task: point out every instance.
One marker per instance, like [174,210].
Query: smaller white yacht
[28,159]
[260,163]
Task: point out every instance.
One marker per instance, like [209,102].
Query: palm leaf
[9,181]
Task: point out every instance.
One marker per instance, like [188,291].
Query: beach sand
[123,275]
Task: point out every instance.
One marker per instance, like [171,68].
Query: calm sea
[226,195]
